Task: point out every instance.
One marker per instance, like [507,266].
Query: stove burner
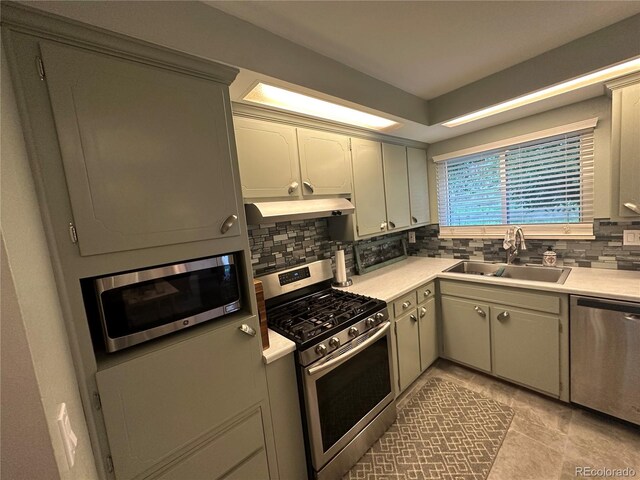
[311,316]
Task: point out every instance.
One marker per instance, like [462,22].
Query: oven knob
[321,349]
[379,316]
[353,332]
[334,342]
[369,322]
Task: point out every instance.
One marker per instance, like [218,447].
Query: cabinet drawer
[240,447]
[541,301]
[404,304]
[426,292]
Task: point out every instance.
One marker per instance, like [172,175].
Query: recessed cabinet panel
[408,340]
[428,333]
[324,163]
[396,185]
[418,186]
[526,347]
[149,406]
[268,158]
[465,332]
[368,186]
[145,151]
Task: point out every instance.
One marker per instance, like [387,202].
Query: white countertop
[399,278]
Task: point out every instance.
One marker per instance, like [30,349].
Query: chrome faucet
[516,244]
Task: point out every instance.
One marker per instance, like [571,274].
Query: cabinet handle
[293,187]
[406,305]
[427,292]
[413,317]
[414,219]
[308,185]
[383,225]
[391,224]
[479,311]
[246,329]
[423,312]
[503,316]
[632,316]
[633,207]
[228,223]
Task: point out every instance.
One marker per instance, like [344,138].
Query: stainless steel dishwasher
[605,356]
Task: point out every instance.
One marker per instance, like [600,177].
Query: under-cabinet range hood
[288,210]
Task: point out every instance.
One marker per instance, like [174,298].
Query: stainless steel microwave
[138,306]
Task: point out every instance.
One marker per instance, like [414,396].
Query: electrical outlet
[631,237]
[412,237]
[69,439]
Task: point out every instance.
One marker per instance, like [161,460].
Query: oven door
[345,391]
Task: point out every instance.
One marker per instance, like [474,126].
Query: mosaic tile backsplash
[606,251]
[278,246]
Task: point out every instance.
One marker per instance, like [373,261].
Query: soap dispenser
[549,258]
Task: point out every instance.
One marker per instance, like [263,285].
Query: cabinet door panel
[368,186]
[465,332]
[145,150]
[324,163]
[526,347]
[157,404]
[626,140]
[396,185]
[418,186]
[407,337]
[428,334]
[268,158]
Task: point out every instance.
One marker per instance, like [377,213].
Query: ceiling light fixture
[277,97]
[564,87]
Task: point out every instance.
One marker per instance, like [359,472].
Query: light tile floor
[547,438]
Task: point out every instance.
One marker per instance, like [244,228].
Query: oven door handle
[382,330]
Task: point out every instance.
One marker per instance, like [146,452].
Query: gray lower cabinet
[416,333]
[519,335]
[191,410]
[465,332]
[143,147]
[526,347]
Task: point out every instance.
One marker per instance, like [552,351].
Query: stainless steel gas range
[343,361]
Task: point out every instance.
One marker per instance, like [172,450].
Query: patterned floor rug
[445,432]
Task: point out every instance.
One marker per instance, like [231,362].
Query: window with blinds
[538,182]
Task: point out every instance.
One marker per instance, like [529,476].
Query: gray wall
[42,321]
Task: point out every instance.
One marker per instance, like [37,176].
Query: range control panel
[294,276]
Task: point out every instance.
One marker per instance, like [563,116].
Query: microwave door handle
[382,330]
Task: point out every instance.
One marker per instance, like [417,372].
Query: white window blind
[547,181]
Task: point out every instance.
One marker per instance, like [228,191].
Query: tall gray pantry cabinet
[132,153]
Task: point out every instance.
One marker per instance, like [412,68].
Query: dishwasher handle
[624,307]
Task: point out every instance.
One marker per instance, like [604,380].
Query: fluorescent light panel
[564,87]
[296,102]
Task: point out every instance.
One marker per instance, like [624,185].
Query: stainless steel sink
[534,273]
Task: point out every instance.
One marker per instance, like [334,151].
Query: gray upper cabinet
[324,163]
[268,158]
[368,186]
[144,149]
[418,186]
[396,185]
[625,141]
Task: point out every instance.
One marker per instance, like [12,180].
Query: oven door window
[347,393]
[141,306]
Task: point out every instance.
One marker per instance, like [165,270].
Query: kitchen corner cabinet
[519,335]
[625,141]
[193,407]
[144,149]
[418,186]
[279,161]
[396,186]
[416,334]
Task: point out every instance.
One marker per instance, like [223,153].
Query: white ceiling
[428,48]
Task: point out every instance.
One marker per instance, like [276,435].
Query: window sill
[560,231]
